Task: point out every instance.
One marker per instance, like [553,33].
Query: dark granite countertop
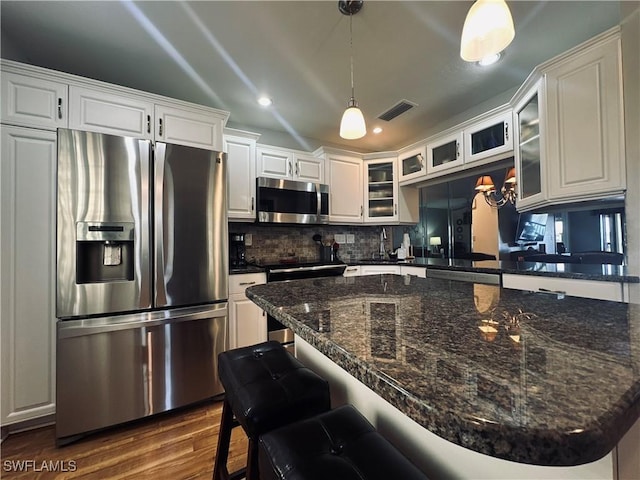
[607,273]
[246,269]
[516,375]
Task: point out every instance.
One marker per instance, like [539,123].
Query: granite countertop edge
[499,267]
[529,446]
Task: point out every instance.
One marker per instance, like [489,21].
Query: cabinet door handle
[290,168]
[506,131]
[60,108]
[361,210]
[148,123]
[352,269]
[252,203]
[242,284]
[421,160]
[457,149]
[395,208]
[159,127]
[296,169]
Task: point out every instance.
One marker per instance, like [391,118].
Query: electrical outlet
[248,239]
[340,238]
[351,238]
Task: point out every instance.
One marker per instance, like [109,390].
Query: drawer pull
[242,284]
[559,293]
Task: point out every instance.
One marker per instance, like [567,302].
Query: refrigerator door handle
[160,297]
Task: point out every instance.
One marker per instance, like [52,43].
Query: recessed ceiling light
[490,60]
[265,101]
[377,130]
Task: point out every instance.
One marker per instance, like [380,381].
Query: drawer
[239,283]
[614,291]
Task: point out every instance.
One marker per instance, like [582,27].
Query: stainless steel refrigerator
[142,282]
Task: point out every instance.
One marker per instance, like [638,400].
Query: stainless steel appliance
[237,250]
[142,278]
[281,273]
[288,201]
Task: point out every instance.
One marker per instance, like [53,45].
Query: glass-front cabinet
[412,164]
[380,195]
[489,137]
[444,152]
[530,148]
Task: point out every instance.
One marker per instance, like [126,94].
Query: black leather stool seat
[338,445]
[265,387]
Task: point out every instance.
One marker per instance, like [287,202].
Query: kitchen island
[531,385]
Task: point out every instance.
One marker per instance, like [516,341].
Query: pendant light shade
[488,30]
[352,125]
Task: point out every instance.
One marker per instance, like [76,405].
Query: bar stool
[265,387]
[337,444]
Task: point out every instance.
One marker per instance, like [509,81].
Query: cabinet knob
[60,108]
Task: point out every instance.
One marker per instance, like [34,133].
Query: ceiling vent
[398,109]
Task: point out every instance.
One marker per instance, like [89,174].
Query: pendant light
[488,30]
[352,125]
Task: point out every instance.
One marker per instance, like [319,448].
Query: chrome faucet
[383,237]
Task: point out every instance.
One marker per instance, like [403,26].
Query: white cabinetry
[191,126]
[413,271]
[117,112]
[379,269]
[276,162]
[601,290]
[385,201]
[351,271]
[344,175]
[489,137]
[444,152]
[584,120]
[113,113]
[241,172]
[412,164]
[247,321]
[570,138]
[27,267]
[33,102]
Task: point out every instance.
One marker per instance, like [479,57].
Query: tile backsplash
[273,243]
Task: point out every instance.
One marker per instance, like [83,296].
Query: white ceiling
[223,54]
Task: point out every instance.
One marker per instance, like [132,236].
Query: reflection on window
[611,233]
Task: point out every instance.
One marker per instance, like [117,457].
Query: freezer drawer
[111,371]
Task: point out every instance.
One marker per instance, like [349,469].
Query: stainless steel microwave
[289,201]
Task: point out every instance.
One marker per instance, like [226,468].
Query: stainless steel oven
[283,273]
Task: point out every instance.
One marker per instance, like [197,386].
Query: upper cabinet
[586,159]
[344,176]
[241,173]
[118,113]
[33,102]
[444,152]
[570,133]
[489,137]
[529,152]
[412,163]
[276,162]
[97,110]
[385,201]
[191,126]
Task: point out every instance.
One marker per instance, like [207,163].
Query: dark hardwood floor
[178,445]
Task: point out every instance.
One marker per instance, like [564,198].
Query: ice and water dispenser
[104,252]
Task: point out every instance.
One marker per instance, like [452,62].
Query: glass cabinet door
[444,152]
[412,164]
[530,183]
[489,137]
[380,190]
